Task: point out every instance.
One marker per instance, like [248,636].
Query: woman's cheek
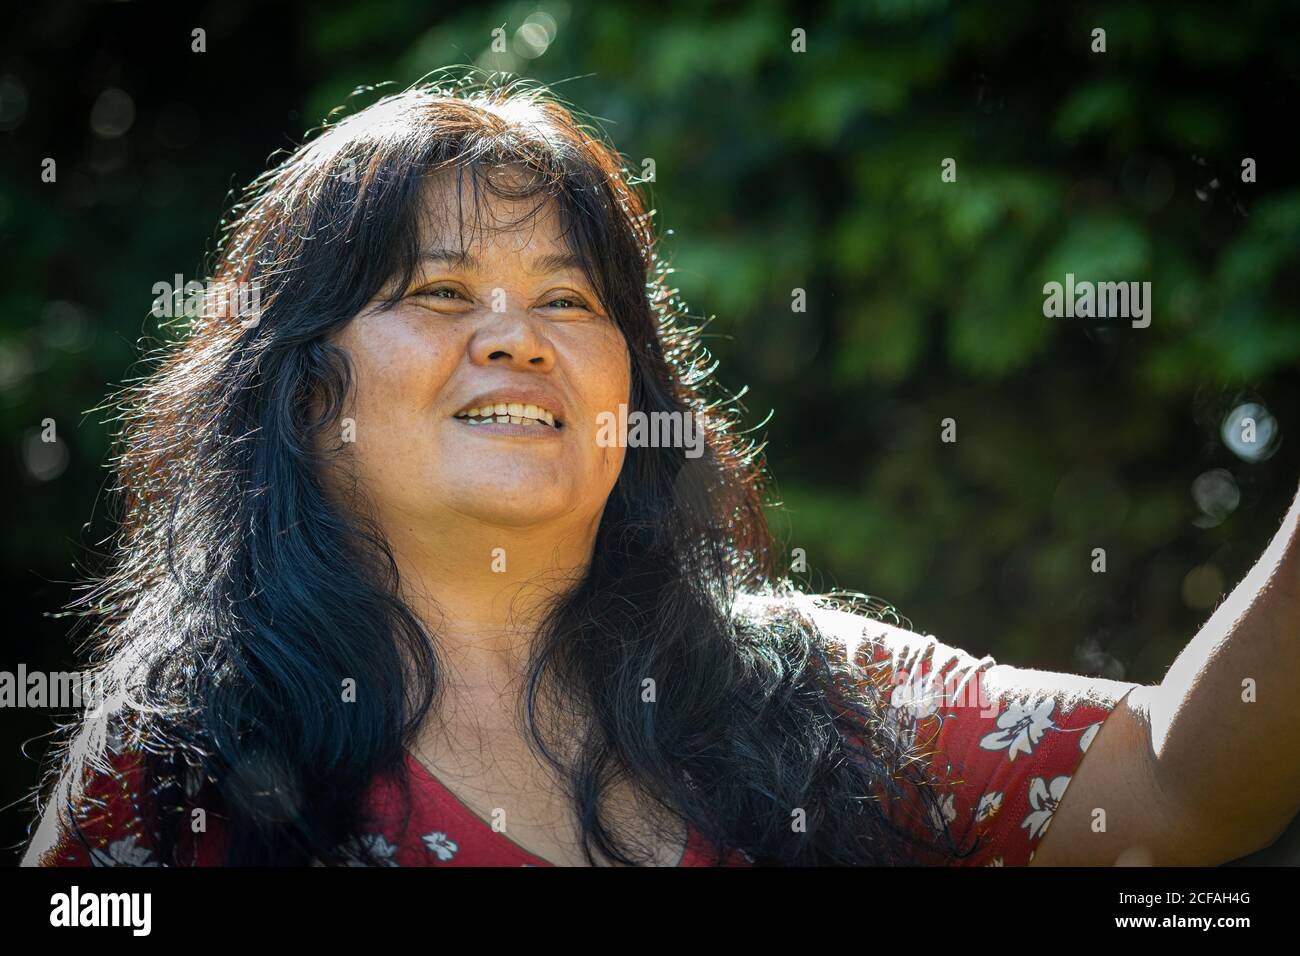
[412,366]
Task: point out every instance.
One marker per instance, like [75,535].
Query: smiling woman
[457,372]
[383,596]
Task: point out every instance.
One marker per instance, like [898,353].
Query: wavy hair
[224,623]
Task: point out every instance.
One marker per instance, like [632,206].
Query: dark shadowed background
[775,170]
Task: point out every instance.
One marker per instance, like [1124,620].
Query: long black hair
[240,598]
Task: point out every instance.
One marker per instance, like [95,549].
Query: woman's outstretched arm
[1204,767]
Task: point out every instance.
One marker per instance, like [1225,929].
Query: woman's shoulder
[101,818]
[1001,742]
[872,635]
[855,627]
[94,820]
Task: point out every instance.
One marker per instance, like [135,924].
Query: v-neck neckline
[421,770]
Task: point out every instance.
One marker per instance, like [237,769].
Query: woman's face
[477,397]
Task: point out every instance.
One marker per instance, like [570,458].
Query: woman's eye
[566,302]
[440,292]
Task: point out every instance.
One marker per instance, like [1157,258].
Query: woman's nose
[512,340]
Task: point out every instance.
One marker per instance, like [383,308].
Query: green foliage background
[775,170]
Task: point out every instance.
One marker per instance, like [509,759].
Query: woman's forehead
[458,216]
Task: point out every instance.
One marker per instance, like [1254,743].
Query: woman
[385,595]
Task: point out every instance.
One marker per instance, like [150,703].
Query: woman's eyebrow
[461,258]
[557,262]
[464,259]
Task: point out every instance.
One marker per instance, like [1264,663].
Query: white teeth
[516,413]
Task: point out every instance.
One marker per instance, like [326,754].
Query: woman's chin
[514,506]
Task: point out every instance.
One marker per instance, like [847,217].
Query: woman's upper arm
[1003,744]
[1116,812]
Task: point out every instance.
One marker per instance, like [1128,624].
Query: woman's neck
[483,591]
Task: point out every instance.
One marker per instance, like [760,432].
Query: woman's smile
[511,426]
[514,413]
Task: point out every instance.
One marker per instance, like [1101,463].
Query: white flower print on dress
[913,699]
[124,852]
[1044,798]
[919,696]
[944,813]
[440,845]
[989,805]
[1085,739]
[1021,727]
[379,848]
[904,727]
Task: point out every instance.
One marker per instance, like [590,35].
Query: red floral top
[1001,742]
